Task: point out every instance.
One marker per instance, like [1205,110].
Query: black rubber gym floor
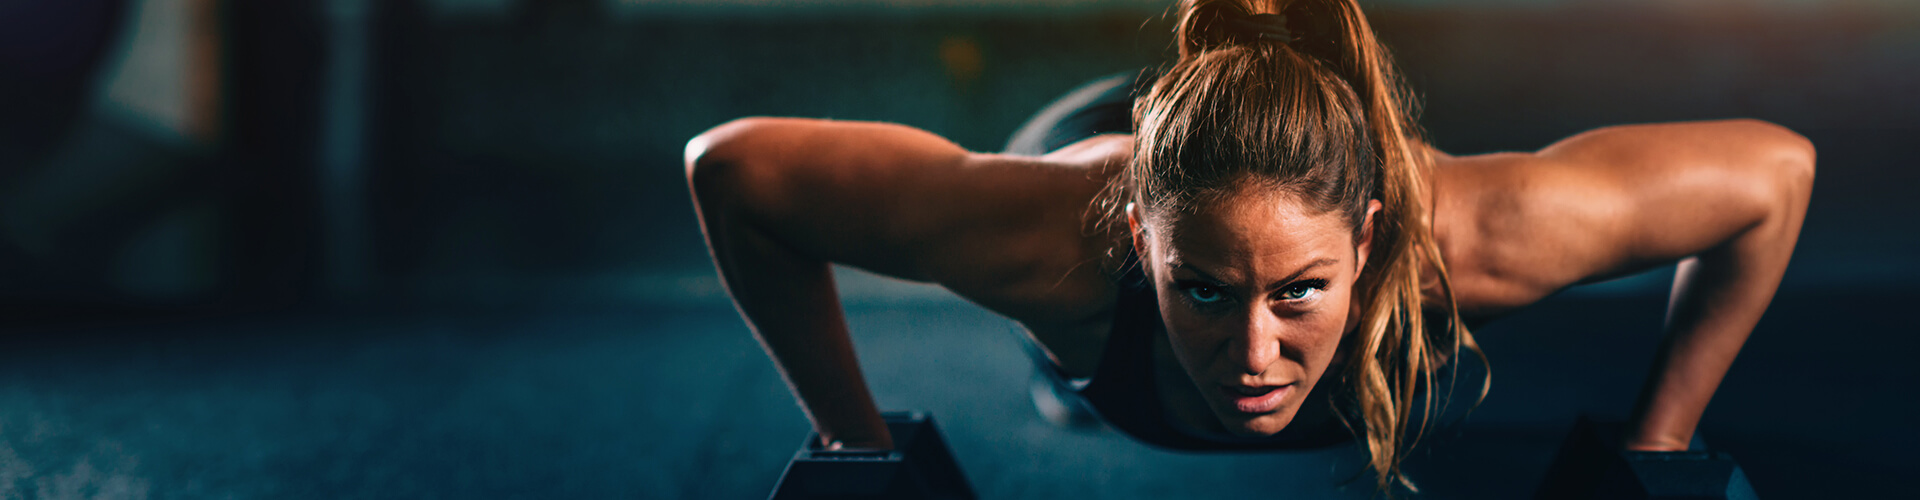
[680,403]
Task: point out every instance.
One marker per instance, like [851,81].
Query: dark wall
[533,158]
[535,155]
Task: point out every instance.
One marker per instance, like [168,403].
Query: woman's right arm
[780,200]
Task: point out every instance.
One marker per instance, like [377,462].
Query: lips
[1263,399]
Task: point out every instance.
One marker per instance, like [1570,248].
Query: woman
[1271,257]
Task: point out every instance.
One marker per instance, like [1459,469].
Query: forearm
[788,299]
[790,303]
[1718,298]
[1714,308]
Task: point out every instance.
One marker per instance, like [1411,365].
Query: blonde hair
[1310,103]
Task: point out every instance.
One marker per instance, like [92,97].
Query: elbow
[714,156]
[1789,155]
[1779,166]
[1800,158]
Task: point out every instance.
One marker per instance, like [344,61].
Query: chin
[1259,425]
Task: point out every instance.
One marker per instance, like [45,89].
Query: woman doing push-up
[1263,252]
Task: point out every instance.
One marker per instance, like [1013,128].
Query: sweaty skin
[781,199]
[1259,289]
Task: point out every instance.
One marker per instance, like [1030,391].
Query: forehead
[1254,231]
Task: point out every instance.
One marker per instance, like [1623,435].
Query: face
[1256,291]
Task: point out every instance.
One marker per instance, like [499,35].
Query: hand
[883,444]
[1642,440]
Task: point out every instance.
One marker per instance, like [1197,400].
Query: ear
[1134,224]
[1364,247]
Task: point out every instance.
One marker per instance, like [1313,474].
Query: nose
[1258,346]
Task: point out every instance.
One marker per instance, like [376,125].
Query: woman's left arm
[1727,198]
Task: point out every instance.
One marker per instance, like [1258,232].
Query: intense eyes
[1303,290]
[1206,294]
[1203,294]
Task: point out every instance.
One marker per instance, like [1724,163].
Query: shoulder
[1032,243]
[1517,226]
[1489,211]
[1042,251]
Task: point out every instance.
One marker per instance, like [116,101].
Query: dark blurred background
[443,248]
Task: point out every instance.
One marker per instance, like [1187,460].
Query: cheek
[1193,334]
[1184,325]
[1338,320]
[1317,334]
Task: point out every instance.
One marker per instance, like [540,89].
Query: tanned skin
[782,199]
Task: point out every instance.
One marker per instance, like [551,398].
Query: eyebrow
[1323,261]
